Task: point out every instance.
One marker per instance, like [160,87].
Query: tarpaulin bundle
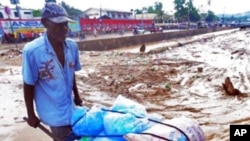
[127,120]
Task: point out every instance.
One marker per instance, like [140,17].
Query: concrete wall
[113,43]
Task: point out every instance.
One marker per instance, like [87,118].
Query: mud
[175,81]
[181,81]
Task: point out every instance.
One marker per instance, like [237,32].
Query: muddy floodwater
[176,81]
[170,80]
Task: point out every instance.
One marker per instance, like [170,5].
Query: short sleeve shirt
[53,83]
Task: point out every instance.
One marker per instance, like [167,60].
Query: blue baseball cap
[55,13]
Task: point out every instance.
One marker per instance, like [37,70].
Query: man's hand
[33,121]
[78,101]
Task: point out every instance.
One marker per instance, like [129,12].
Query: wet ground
[174,79]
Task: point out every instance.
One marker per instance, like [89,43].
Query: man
[48,69]
[95,32]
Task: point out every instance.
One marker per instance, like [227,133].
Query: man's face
[57,31]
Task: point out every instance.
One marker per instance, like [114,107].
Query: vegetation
[36,13]
[184,11]
[156,9]
[73,12]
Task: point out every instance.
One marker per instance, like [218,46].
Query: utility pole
[133,13]
[14,2]
[100,11]
[223,18]
[142,20]
[189,3]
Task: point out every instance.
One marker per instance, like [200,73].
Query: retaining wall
[113,43]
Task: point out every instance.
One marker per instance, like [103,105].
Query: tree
[211,17]
[158,10]
[158,7]
[138,11]
[194,15]
[36,13]
[151,9]
[181,11]
[71,10]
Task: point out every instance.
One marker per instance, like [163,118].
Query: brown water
[195,94]
[174,81]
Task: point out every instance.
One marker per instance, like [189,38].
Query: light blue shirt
[53,83]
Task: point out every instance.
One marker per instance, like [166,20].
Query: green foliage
[151,9]
[179,5]
[73,12]
[160,13]
[157,9]
[137,11]
[186,11]
[193,13]
[36,13]
[211,17]
[181,11]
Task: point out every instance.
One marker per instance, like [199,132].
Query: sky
[217,6]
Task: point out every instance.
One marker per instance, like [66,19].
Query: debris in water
[229,88]
[142,48]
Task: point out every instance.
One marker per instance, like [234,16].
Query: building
[12,23]
[145,16]
[14,14]
[97,13]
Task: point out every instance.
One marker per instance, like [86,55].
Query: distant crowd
[19,37]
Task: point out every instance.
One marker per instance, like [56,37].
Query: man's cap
[55,13]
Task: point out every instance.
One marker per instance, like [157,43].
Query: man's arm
[77,98]
[28,91]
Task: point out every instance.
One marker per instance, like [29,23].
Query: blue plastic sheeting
[120,124]
[125,105]
[78,113]
[125,116]
[91,123]
[106,137]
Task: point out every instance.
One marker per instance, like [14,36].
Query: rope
[153,121]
